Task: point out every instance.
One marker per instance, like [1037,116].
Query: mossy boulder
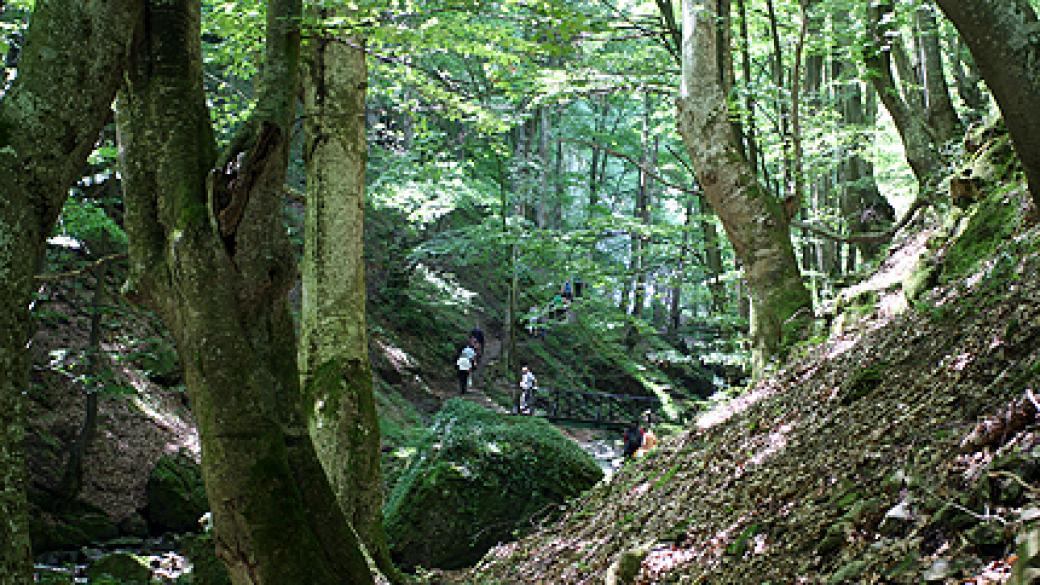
[988,226]
[176,495]
[64,525]
[476,478]
[123,568]
[206,568]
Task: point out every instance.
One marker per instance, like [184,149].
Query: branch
[867,238]
[55,277]
[657,177]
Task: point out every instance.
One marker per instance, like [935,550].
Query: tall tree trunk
[917,137]
[1003,41]
[335,370]
[751,135]
[781,110]
[642,209]
[753,221]
[863,206]
[675,312]
[941,115]
[209,253]
[967,76]
[68,72]
[543,204]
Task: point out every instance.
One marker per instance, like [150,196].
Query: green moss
[477,476]
[924,276]
[190,214]
[992,222]
[207,569]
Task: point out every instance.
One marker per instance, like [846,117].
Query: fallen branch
[870,237]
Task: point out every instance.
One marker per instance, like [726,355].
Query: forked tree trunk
[336,373]
[1002,36]
[919,141]
[941,115]
[208,252]
[753,220]
[68,72]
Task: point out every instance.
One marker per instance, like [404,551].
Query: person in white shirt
[463,365]
[528,384]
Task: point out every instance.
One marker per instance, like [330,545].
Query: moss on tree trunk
[335,369]
[1002,36]
[209,254]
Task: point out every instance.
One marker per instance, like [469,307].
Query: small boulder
[176,495]
[477,477]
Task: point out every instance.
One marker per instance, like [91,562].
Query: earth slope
[903,449]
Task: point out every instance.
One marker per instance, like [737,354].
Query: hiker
[633,440]
[649,442]
[568,296]
[478,335]
[528,385]
[463,365]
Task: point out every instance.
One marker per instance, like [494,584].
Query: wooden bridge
[594,408]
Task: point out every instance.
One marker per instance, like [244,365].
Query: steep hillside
[904,448]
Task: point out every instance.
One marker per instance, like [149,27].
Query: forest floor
[903,449]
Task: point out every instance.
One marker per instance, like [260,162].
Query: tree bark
[208,252]
[862,205]
[335,367]
[68,72]
[1003,41]
[753,220]
[335,370]
[72,479]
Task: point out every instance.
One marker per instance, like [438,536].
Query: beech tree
[50,117]
[753,220]
[209,253]
[335,369]
[1001,35]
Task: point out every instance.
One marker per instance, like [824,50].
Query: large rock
[176,495]
[476,478]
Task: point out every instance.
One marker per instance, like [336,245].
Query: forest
[519,292]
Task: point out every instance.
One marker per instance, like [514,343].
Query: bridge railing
[594,407]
